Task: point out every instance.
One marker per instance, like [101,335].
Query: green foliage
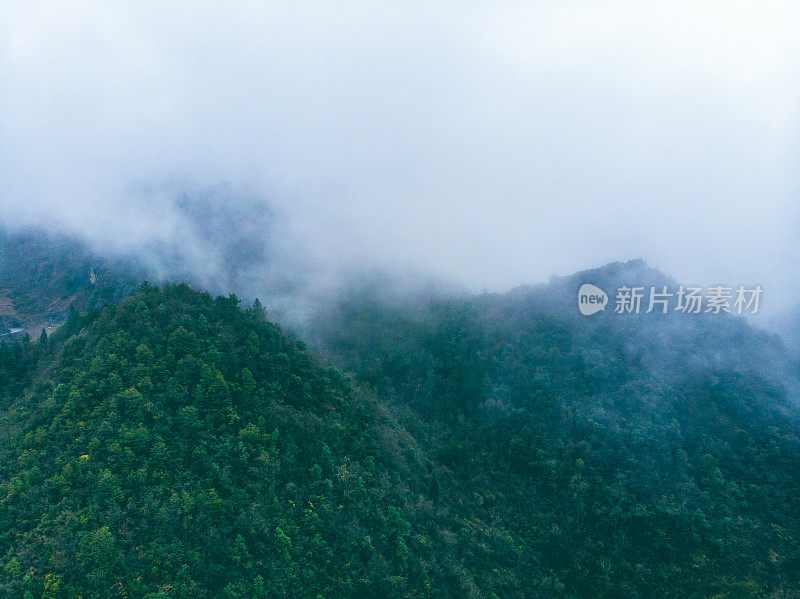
[576,467]
[176,445]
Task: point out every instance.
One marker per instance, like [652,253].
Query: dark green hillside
[490,447]
[615,467]
[176,446]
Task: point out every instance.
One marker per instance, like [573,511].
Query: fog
[490,144]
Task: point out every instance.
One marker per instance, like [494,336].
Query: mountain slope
[43,276]
[489,446]
[176,446]
[621,463]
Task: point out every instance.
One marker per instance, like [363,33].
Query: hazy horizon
[491,145]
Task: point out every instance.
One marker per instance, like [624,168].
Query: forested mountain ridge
[176,446]
[671,342]
[499,445]
[44,275]
[213,239]
[635,456]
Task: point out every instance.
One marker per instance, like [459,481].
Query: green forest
[177,444]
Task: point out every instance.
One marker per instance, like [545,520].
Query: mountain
[43,276]
[787,325]
[668,344]
[489,446]
[216,239]
[177,446]
[622,455]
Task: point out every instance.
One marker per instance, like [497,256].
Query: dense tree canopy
[614,464]
[177,445]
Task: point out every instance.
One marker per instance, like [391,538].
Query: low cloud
[494,144]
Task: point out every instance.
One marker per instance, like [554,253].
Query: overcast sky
[494,143]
